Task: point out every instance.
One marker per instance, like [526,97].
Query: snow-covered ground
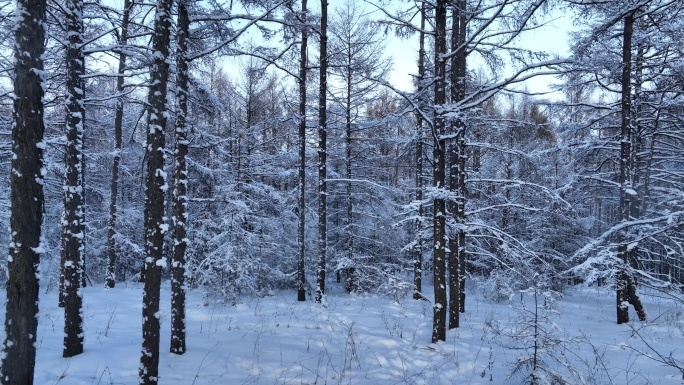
[364,340]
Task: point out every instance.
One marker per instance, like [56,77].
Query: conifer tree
[322,155]
[27,198]
[439,151]
[154,194]
[73,245]
[180,190]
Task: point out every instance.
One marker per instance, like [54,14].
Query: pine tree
[154,194]
[356,62]
[322,156]
[110,280]
[21,320]
[625,289]
[180,183]
[301,202]
[73,222]
[457,168]
[418,249]
[439,209]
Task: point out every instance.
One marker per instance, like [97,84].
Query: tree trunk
[301,203]
[439,220]
[180,183]
[461,191]
[634,299]
[322,155]
[27,199]
[351,284]
[621,284]
[154,194]
[457,235]
[418,251]
[110,280]
[461,217]
[72,223]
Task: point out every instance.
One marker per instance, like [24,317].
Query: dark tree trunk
[110,280]
[439,209]
[154,194]
[180,183]
[456,210]
[84,205]
[418,252]
[461,217]
[301,203]
[351,282]
[461,191]
[462,68]
[626,292]
[322,155]
[72,223]
[633,298]
[621,284]
[21,322]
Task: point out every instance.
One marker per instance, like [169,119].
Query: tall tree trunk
[72,223]
[626,188]
[180,183]
[439,220]
[351,270]
[322,155]
[154,194]
[418,251]
[457,81]
[84,205]
[301,203]
[461,191]
[27,199]
[461,218]
[110,280]
[626,292]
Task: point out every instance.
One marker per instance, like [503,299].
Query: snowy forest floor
[366,340]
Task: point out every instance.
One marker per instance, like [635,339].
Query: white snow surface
[352,340]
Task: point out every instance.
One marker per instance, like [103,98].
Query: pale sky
[551,38]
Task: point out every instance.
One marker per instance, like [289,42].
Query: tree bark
[456,210]
[180,179]
[418,252]
[110,280]
[154,194]
[27,199]
[72,223]
[301,202]
[351,284]
[462,68]
[322,155]
[439,220]
[461,217]
[621,284]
